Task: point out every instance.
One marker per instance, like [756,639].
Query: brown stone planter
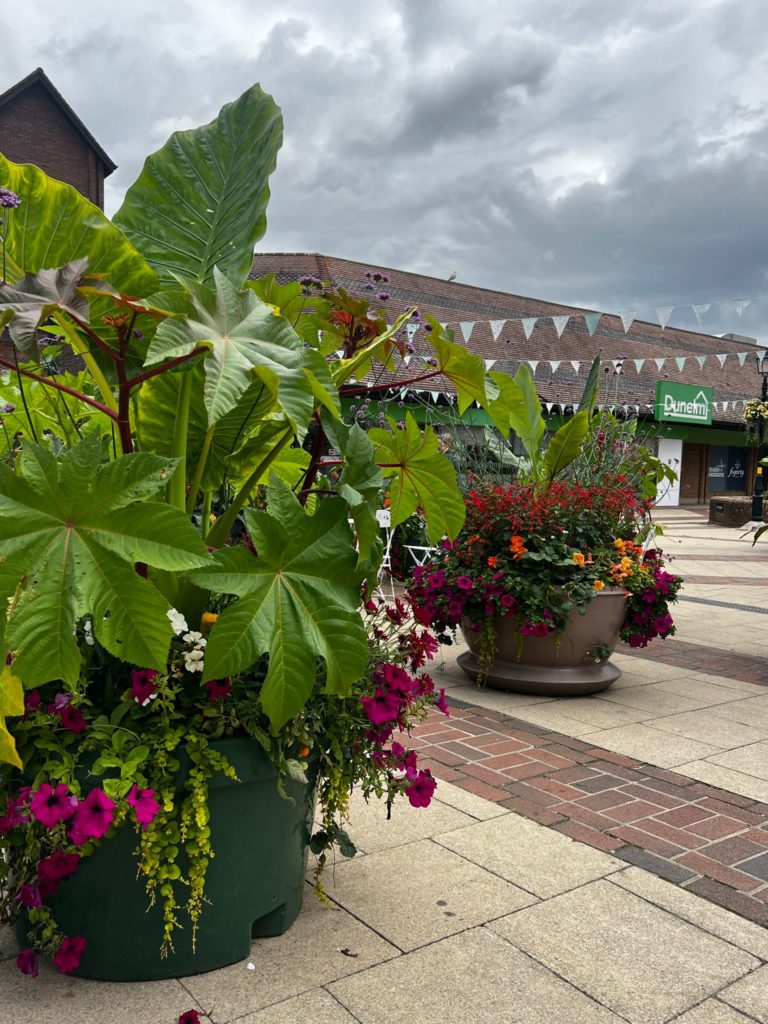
[553,666]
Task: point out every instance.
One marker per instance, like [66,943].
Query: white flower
[195,638]
[193,660]
[88,633]
[178,622]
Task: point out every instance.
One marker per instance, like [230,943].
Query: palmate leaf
[360,485]
[200,201]
[465,371]
[11,704]
[55,224]
[298,603]
[71,531]
[420,476]
[36,296]
[244,338]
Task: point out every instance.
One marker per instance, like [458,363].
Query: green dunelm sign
[683,403]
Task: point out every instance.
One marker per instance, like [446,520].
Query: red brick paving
[698,836]
[710,660]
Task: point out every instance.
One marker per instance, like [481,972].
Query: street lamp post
[757,496]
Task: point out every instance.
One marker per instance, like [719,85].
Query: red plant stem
[395,385]
[165,366]
[62,387]
[314,462]
[90,333]
[123,398]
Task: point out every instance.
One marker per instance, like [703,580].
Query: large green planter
[255,881]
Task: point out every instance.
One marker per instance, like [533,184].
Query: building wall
[34,130]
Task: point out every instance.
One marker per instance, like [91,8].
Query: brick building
[38,126]
[710,459]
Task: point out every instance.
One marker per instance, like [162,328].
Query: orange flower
[492,562]
[598,585]
[303,751]
[208,620]
[579,559]
[517,547]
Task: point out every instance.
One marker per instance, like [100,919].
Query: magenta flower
[436,579]
[26,962]
[508,601]
[382,707]
[54,869]
[396,678]
[218,688]
[663,624]
[143,685]
[637,641]
[464,583]
[29,896]
[441,703]
[68,956]
[32,701]
[144,804]
[455,610]
[420,791]
[93,817]
[12,816]
[72,719]
[190,1017]
[49,806]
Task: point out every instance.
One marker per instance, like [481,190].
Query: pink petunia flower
[72,719]
[143,685]
[93,817]
[29,896]
[54,869]
[383,706]
[144,804]
[420,791]
[26,962]
[218,688]
[49,806]
[69,953]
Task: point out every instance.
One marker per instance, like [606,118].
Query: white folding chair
[420,555]
[384,519]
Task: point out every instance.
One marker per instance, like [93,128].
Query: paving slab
[54,997]
[710,918]
[641,961]
[710,725]
[316,1007]
[323,945]
[473,977]
[475,806]
[750,995]
[439,893]
[537,859]
[663,749]
[368,825]
[726,778]
[752,760]
[711,1011]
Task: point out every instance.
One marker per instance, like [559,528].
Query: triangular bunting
[680,360]
[410,330]
[664,313]
[725,407]
[721,359]
[740,305]
[639,363]
[700,310]
[659,363]
[406,359]
[489,363]
[715,405]
[496,326]
[554,363]
[533,363]
[560,323]
[435,395]
[528,322]
[592,320]
[742,357]
[701,360]
[576,364]
[627,318]
[760,356]
[549,406]
[467,326]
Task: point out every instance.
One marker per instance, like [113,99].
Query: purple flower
[72,719]
[26,962]
[144,804]
[420,791]
[436,579]
[637,641]
[441,703]
[49,806]
[218,688]
[68,956]
[143,685]
[663,624]
[29,896]
[382,296]
[383,706]
[8,199]
[52,870]
[93,818]
[464,583]
[12,816]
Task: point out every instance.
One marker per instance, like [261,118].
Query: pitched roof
[452,302]
[39,77]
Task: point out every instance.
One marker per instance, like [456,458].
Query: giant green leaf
[465,371]
[243,338]
[420,476]
[54,225]
[298,603]
[37,296]
[11,704]
[200,201]
[566,444]
[71,531]
[589,394]
[518,408]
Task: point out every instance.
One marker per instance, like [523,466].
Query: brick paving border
[704,839]
[713,661]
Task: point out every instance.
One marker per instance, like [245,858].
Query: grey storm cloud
[612,155]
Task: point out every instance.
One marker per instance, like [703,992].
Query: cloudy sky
[609,154]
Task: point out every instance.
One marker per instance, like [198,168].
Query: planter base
[544,681]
